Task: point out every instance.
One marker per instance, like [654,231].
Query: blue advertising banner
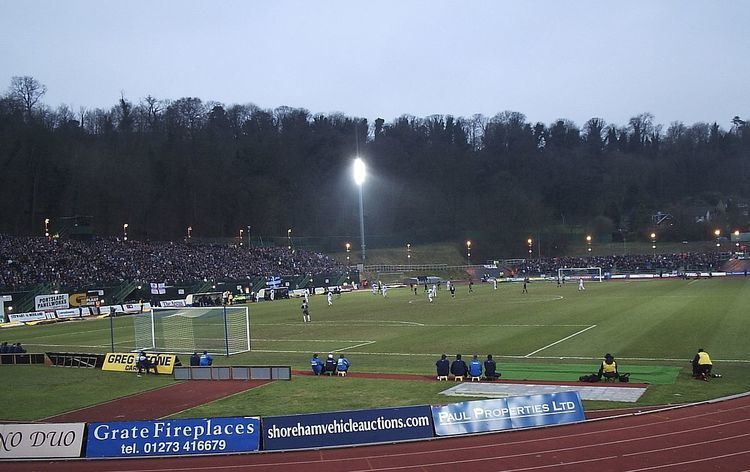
[507,413]
[346,427]
[173,437]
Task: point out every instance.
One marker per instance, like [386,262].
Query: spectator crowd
[627,263]
[26,261]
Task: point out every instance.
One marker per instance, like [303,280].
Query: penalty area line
[366,343]
[560,340]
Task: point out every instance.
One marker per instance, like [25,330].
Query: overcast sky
[680,60]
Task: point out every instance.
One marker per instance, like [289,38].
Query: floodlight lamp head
[359,171]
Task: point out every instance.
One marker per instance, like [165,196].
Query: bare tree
[27,90]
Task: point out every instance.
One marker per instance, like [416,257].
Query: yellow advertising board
[125,362]
[78,299]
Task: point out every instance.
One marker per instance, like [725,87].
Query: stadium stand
[29,261]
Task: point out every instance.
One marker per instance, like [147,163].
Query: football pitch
[653,328]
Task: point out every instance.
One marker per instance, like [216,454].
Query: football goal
[185,330]
[575,273]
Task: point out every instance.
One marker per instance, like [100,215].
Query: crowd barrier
[233,373]
[232,435]
[22,359]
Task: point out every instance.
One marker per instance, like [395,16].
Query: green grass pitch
[652,327]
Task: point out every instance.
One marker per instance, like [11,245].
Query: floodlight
[359,171]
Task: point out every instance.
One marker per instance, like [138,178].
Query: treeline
[163,165]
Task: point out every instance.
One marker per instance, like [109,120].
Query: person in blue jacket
[316,364]
[475,367]
[206,359]
[342,364]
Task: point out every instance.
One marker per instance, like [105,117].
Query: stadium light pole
[468,251]
[289,238]
[348,249]
[46,227]
[125,232]
[530,242]
[359,179]
[588,242]
[189,232]
[408,253]
[241,231]
[717,233]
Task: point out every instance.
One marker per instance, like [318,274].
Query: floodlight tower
[125,231]
[717,233]
[588,243]
[359,179]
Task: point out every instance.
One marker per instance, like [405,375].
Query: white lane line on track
[670,448]
[677,464]
[560,340]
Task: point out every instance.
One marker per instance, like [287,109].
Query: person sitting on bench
[316,364]
[475,368]
[608,369]
[330,366]
[459,368]
[342,364]
[490,369]
[443,367]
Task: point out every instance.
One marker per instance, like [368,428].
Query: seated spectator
[195,359]
[475,367]
[490,369]
[206,359]
[4,348]
[443,367]
[316,364]
[342,364]
[608,369]
[330,365]
[458,367]
[17,349]
[702,365]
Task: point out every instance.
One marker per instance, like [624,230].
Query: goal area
[183,330]
[576,273]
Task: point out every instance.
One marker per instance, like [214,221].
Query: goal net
[185,330]
[576,273]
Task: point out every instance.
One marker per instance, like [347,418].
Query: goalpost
[575,273]
[223,329]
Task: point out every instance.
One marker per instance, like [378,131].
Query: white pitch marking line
[426,325]
[315,340]
[559,341]
[367,343]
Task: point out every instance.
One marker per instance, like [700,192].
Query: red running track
[159,402]
[710,436]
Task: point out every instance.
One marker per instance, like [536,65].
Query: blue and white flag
[274,282]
